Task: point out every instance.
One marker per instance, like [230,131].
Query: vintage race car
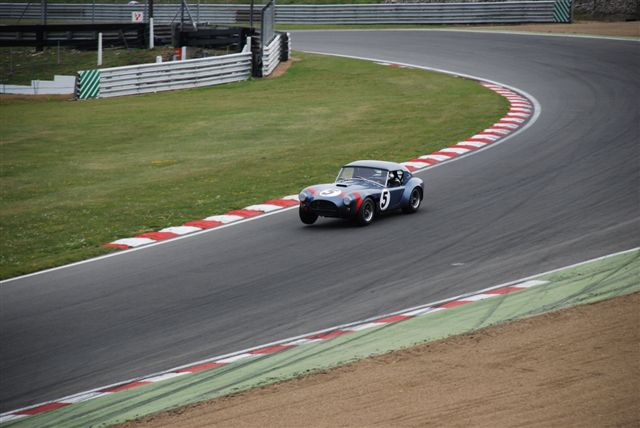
[362,190]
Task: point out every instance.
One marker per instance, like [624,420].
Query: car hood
[335,193]
[333,190]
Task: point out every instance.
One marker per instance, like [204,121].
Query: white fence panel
[145,78]
[271,56]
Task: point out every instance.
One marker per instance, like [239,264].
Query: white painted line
[302,341]
[523,33]
[415,164]
[235,358]
[364,326]
[181,230]
[506,125]
[166,376]
[79,398]
[456,150]
[440,158]
[473,143]
[291,198]
[485,137]
[8,418]
[478,297]
[264,207]
[529,284]
[418,312]
[133,242]
[224,218]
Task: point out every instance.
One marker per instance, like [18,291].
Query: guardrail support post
[40,39]
[151,36]
[256,57]
[99,49]
[284,47]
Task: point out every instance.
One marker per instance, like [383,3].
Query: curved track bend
[563,191]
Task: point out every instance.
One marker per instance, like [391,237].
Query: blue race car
[362,190]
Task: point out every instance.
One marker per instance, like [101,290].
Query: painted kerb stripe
[562,11]
[89,86]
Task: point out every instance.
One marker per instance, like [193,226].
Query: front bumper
[326,208]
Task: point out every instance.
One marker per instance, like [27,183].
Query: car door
[396,188]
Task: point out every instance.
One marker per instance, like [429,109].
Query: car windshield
[374,175]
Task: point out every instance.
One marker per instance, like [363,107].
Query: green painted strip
[89,84]
[595,281]
[562,11]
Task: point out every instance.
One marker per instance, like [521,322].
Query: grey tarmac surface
[565,190]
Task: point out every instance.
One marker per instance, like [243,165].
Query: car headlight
[347,200]
[302,196]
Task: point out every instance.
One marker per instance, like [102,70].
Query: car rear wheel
[307,216]
[415,199]
[366,213]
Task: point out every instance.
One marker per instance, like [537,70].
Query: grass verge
[75,175]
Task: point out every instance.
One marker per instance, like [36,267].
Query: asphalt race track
[563,191]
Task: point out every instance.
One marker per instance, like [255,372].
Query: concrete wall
[59,85]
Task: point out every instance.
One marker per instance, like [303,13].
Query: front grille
[324,208]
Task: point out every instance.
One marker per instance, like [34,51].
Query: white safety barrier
[59,85]
[271,55]
[146,78]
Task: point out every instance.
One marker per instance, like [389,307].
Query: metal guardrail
[271,55]
[421,13]
[109,13]
[403,13]
[146,78]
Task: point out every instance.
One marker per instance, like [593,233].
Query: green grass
[18,66]
[77,174]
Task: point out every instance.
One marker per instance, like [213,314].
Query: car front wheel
[307,216]
[366,213]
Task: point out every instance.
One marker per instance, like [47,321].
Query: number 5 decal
[385,198]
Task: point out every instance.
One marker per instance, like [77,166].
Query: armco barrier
[420,13]
[271,55]
[394,13]
[145,78]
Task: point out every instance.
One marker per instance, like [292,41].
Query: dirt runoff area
[617,29]
[575,367]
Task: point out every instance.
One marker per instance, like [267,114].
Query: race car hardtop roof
[390,166]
